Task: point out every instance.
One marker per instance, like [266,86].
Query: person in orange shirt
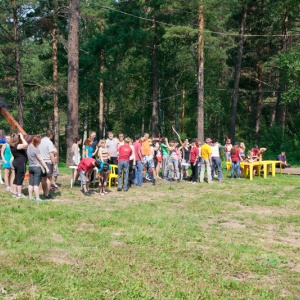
[205,153]
[148,157]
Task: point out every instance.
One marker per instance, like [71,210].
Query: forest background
[206,67]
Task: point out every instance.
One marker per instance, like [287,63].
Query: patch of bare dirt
[118,243]
[296,267]
[265,210]
[60,256]
[233,224]
[86,227]
[57,238]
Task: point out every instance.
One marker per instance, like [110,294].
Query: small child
[103,153]
[228,148]
[55,173]
[103,174]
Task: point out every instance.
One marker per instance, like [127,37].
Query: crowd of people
[146,159]
[41,154]
[137,161]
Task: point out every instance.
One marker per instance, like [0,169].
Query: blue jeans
[123,165]
[175,169]
[216,164]
[138,173]
[235,165]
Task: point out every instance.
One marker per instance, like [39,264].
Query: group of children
[145,159]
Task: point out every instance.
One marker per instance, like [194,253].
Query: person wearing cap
[194,156]
[205,153]
[138,172]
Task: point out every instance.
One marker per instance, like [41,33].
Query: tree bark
[155,85]
[259,100]
[73,65]
[237,75]
[18,68]
[182,109]
[101,94]
[55,80]
[200,77]
[280,115]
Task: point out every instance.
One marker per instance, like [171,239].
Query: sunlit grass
[231,240]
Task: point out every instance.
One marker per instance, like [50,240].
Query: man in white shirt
[112,146]
[48,150]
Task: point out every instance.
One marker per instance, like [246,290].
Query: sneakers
[119,190]
[54,185]
[87,193]
[19,196]
[8,188]
[49,197]
[1,181]
[153,182]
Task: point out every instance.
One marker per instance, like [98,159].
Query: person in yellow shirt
[205,153]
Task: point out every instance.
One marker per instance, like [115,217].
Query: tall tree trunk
[73,65]
[280,115]
[259,100]
[55,79]
[101,94]
[18,68]
[200,77]
[155,84]
[182,109]
[237,75]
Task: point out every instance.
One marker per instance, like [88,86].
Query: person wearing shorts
[103,174]
[148,154]
[7,156]
[36,163]
[17,146]
[47,151]
[85,168]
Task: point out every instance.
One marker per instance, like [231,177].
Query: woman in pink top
[235,160]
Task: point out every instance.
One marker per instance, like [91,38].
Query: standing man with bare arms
[47,150]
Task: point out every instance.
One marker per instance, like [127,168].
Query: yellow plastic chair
[112,179]
[228,167]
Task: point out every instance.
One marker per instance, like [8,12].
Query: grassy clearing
[234,240]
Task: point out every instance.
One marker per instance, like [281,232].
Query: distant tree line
[206,67]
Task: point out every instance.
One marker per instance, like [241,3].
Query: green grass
[231,240]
